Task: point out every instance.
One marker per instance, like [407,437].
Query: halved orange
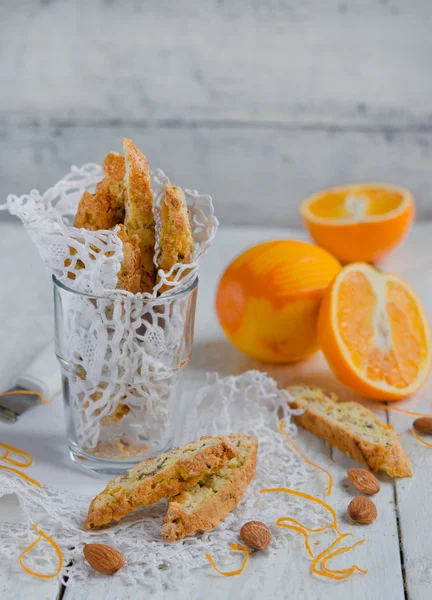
[374,333]
[359,222]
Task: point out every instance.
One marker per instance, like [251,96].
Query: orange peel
[23,475]
[399,410]
[300,530]
[10,449]
[307,497]
[420,439]
[309,462]
[42,535]
[348,571]
[299,527]
[304,526]
[322,555]
[237,571]
[410,413]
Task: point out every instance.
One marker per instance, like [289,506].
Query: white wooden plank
[278,574]
[256,176]
[411,261]
[414,263]
[362,61]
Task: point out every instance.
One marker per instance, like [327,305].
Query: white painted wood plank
[411,261]
[256,176]
[414,494]
[361,61]
[231,242]
[278,574]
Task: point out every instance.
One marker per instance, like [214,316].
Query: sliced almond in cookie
[164,476]
[202,507]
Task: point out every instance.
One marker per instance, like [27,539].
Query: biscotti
[176,243]
[165,476]
[129,276]
[202,507]
[352,428]
[139,219]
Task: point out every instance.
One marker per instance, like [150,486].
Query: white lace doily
[251,404]
[93,258]
[120,348]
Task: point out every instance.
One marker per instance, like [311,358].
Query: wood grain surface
[256,102]
[398,549]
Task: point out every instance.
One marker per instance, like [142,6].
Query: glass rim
[177,294]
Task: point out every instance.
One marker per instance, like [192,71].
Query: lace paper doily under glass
[251,404]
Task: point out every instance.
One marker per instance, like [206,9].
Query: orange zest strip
[41,535]
[399,410]
[312,498]
[350,570]
[9,449]
[28,393]
[23,475]
[420,439]
[281,519]
[300,530]
[309,462]
[231,573]
[323,553]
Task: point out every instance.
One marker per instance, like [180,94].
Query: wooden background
[257,102]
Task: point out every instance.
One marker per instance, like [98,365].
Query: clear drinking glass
[121,360]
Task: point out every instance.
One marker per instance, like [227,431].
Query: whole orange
[359,222]
[268,299]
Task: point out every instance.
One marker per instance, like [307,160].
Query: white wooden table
[398,552]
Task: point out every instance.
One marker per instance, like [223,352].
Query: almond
[255,535]
[364,481]
[423,425]
[103,559]
[362,510]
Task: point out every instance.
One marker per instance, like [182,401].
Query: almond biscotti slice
[176,241]
[114,169]
[129,276]
[202,507]
[139,217]
[352,428]
[164,476]
[96,211]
